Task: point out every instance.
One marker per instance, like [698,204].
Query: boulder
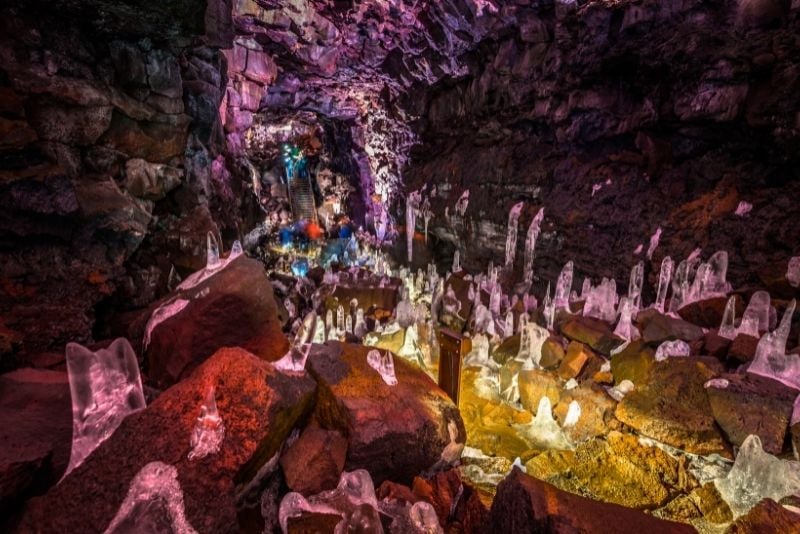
[752,404]
[633,363]
[660,328]
[535,384]
[716,345]
[151,181]
[414,416]
[525,504]
[617,470]
[552,353]
[233,307]
[35,432]
[767,517]
[597,411]
[592,332]
[457,504]
[708,312]
[672,407]
[575,359]
[314,461]
[258,405]
[743,348]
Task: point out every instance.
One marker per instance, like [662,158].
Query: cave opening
[407,267]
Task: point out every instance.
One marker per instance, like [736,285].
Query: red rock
[743,348]
[234,307]
[258,405]
[716,345]
[592,332]
[767,517]
[659,328]
[525,504]
[708,313]
[415,416]
[314,462]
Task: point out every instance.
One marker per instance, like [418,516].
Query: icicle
[530,244]
[635,287]
[236,249]
[426,215]
[549,309]
[756,316]
[456,261]
[654,239]
[563,287]
[294,361]
[727,328]
[212,252]
[209,430]
[383,363]
[625,328]
[663,283]
[412,206]
[511,234]
[771,359]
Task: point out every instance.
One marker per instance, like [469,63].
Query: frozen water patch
[383,363]
[161,314]
[209,430]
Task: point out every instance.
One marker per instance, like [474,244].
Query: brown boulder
[672,407]
[708,312]
[314,462]
[535,384]
[716,345]
[633,363]
[592,332]
[743,348]
[525,504]
[233,307]
[259,407]
[394,432]
[752,404]
[660,328]
[575,359]
[767,517]
[552,353]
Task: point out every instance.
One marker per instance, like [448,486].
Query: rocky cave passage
[405,266]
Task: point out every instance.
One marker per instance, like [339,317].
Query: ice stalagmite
[757,475]
[212,251]
[601,301]
[544,432]
[549,309]
[424,518]
[635,287]
[625,328]
[511,235]
[426,215]
[654,239]
[664,276]
[209,430]
[294,361]
[771,359]
[214,263]
[154,503]
[105,387]
[717,281]
[563,287]
[530,244]
[456,261]
[412,207]
[462,203]
[755,318]
[384,364]
[531,340]
[727,328]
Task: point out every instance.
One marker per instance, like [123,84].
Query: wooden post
[453,347]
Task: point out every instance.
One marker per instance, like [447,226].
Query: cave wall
[673,112]
[111,161]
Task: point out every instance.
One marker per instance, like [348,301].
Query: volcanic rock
[314,462]
[234,307]
[660,328]
[765,518]
[743,348]
[576,357]
[592,332]
[394,432]
[752,404]
[525,504]
[708,312]
[259,407]
[535,384]
[672,407]
[618,470]
[633,363]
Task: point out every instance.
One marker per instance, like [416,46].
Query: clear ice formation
[530,244]
[161,314]
[669,349]
[544,432]
[353,499]
[563,287]
[456,261]
[426,215]
[209,430]
[478,356]
[756,316]
[771,359]
[635,287]
[549,309]
[294,361]
[383,363]
[757,475]
[743,208]
[793,271]
[619,391]
[654,239]
[105,387]
[477,475]
[601,301]
[531,340]
[727,327]
[511,235]
[424,518]
[412,207]
[625,328]
[664,276]
[214,263]
[154,503]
